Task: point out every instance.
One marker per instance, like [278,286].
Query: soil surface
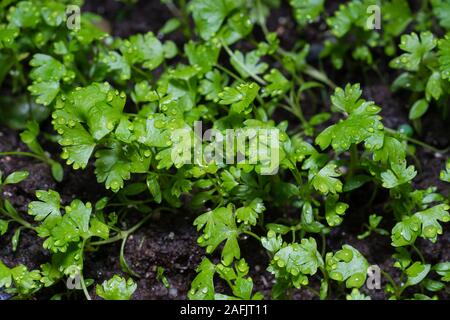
[169,240]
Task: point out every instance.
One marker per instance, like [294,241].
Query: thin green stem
[17,219]
[243,66]
[252,235]
[24,154]
[392,282]
[418,253]
[125,234]
[415,141]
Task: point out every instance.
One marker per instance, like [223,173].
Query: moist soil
[169,240]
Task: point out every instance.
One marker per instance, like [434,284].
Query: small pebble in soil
[173,292]
[171,236]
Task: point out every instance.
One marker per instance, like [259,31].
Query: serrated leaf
[299,258]
[203,55]
[240,98]
[430,218]
[46,74]
[398,174]
[444,57]
[47,210]
[362,123]
[202,287]
[212,84]
[347,265]
[417,49]
[116,162]
[277,84]
[249,64]
[441,9]
[405,232]
[24,15]
[326,180]
[145,50]
[209,15]
[116,288]
[250,213]
[219,225]
[307,10]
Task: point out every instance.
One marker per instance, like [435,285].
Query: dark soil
[169,241]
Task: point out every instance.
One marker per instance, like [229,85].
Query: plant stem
[24,154]
[125,234]
[17,219]
[418,253]
[244,67]
[252,235]
[415,141]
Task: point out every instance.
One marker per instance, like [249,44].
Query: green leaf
[116,288]
[77,144]
[249,64]
[443,269]
[418,109]
[392,151]
[250,213]
[353,13]
[219,225]
[325,180]
[54,13]
[430,221]
[212,85]
[306,11]
[434,87]
[7,37]
[347,265]
[396,16]
[278,84]
[417,50]
[334,211]
[240,98]
[406,231]
[30,135]
[154,187]
[57,171]
[398,174]
[116,162]
[5,276]
[116,62]
[47,209]
[15,239]
[441,9]
[272,242]
[3,227]
[203,55]
[24,15]
[356,295]
[444,57]
[46,75]
[145,50]
[97,107]
[416,273]
[202,287]
[445,174]
[362,123]
[299,258]
[210,15]
[16,177]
